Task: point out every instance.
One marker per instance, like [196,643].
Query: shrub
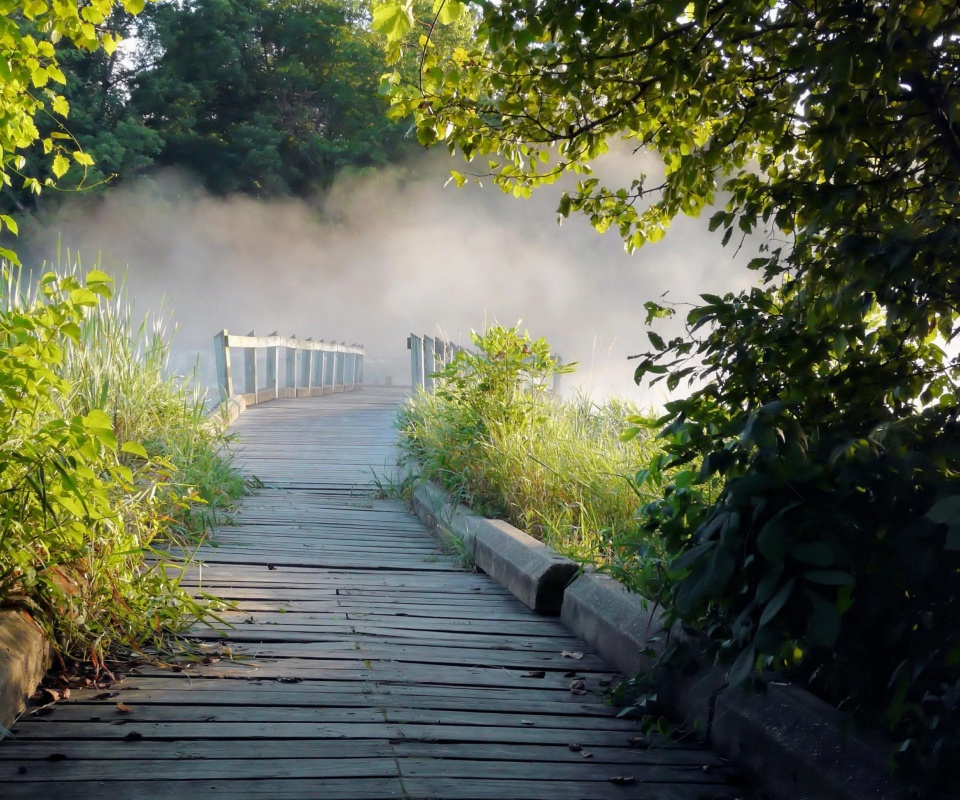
[495,437]
[85,506]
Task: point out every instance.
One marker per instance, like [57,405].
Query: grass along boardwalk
[363,662]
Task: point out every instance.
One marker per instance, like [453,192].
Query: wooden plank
[243,789]
[82,750]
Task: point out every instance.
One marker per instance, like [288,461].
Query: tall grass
[117,473]
[560,470]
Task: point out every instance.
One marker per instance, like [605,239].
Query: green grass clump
[563,471]
[109,470]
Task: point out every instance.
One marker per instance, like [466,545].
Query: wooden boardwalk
[364,663]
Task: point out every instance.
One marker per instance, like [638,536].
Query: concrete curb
[534,573]
[796,746]
[25,657]
[799,747]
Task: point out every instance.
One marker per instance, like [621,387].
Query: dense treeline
[260,97]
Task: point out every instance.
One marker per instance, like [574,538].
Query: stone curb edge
[25,657]
[796,746]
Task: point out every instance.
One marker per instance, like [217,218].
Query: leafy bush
[82,500]
[495,437]
[833,550]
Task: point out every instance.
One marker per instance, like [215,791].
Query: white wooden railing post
[250,370]
[273,373]
[429,363]
[290,368]
[221,351]
[415,346]
[307,379]
[324,363]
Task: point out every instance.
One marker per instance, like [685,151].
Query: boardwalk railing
[304,369]
[429,354]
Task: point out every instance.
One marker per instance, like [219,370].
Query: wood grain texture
[357,661]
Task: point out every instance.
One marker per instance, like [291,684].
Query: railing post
[338,367]
[307,367]
[429,362]
[273,362]
[221,352]
[291,367]
[360,367]
[250,370]
[415,345]
[323,368]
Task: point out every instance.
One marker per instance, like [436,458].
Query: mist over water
[386,254]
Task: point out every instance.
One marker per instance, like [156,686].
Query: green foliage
[93,511]
[30,68]
[502,381]
[825,402]
[495,437]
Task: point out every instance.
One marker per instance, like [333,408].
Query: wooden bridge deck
[364,663]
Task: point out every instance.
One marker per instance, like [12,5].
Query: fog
[385,254]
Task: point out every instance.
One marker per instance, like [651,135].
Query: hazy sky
[398,252]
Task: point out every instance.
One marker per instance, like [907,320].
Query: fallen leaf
[571,674]
[133,736]
[639,741]
[105,695]
[536,673]
[270,566]
[124,707]
[526,722]
[570,654]
[585,754]
[622,780]
[575,747]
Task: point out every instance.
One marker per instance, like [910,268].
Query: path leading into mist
[364,663]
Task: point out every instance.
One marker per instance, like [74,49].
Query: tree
[825,400]
[30,68]
[266,97]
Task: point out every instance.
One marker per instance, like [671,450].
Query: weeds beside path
[108,475]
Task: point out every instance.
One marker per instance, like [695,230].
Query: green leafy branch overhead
[29,73]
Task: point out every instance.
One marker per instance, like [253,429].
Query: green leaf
[133,6]
[742,666]
[450,11]
[393,19]
[60,106]
[84,297]
[777,602]
[820,554]
[60,165]
[830,577]
[134,448]
[98,420]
